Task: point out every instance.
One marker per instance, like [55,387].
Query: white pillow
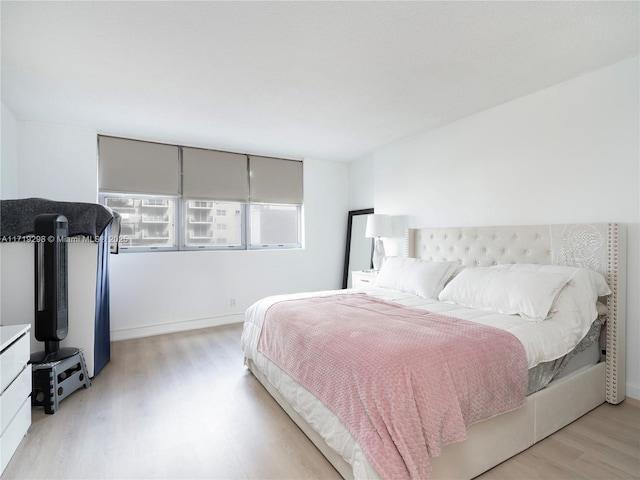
[577,302]
[591,281]
[529,294]
[412,275]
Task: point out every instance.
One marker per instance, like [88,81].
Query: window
[173,197]
[209,223]
[276,196]
[275,226]
[148,222]
[141,181]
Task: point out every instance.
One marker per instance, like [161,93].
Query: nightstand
[363,280]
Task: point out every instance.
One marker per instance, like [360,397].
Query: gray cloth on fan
[17,217]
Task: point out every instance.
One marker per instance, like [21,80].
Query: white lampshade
[378,225]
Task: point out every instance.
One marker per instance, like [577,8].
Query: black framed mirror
[359,249]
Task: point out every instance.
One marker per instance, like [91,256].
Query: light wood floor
[182,406]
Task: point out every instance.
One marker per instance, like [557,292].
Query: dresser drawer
[14,433]
[13,397]
[12,361]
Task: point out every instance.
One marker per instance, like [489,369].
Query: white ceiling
[324,80]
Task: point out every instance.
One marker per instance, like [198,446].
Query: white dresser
[15,389]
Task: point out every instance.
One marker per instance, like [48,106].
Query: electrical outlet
[232,302]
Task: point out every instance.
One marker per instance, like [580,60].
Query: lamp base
[378,254]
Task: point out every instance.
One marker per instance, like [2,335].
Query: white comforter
[542,341]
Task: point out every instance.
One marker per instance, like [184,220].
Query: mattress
[586,353]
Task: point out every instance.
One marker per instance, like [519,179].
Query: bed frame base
[493,441]
[339,463]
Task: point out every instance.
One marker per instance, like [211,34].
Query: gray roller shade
[275,180]
[209,174]
[132,166]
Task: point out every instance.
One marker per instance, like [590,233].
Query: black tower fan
[51,287]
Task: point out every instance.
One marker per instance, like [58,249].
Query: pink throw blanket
[405,382]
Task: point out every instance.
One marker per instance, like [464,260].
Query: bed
[581,384]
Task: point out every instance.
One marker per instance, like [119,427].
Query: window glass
[275,225]
[210,223]
[148,222]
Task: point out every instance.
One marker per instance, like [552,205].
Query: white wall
[156,292]
[8,178]
[569,153]
[361,184]
[9,155]
[57,162]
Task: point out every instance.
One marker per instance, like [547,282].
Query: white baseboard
[151,330]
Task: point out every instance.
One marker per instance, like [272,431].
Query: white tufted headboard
[600,247]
